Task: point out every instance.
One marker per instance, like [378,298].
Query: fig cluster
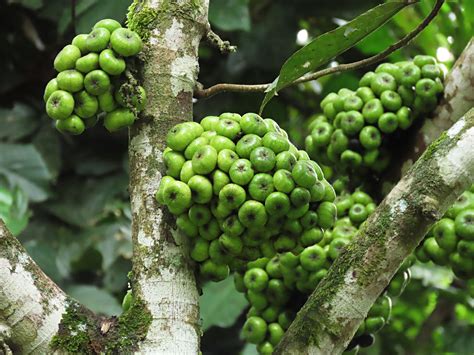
[240,190]
[450,241]
[354,129]
[277,286]
[90,80]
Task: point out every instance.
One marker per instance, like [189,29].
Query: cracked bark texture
[332,314]
[31,305]
[163,276]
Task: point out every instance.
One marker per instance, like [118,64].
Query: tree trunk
[163,276]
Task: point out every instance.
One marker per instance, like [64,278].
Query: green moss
[141,18]
[80,331]
[73,334]
[433,147]
[132,328]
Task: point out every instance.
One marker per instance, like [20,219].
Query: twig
[218,88]
[223,46]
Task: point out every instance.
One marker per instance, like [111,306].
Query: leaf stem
[201,92]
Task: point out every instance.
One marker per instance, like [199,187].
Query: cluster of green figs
[278,284]
[240,190]
[88,85]
[450,242]
[254,205]
[355,128]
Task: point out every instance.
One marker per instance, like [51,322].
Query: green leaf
[22,165]
[17,122]
[329,45]
[96,299]
[230,15]
[221,304]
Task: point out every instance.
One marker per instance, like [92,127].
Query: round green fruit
[88,63]
[51,87]
[204,160]
[118,119]
[97,82]
[464,224]
[261,186]
[252,214]
[232,196]
[241,172]
[73,125]
[126,42]
[180,136]
[247,144]
[66,58]
[227,128]
[109,24]
[98,40]
[80,42]
[110,63]
[254,330]
[86,105]
[60,105]
[107,101]
[70,80]
[251,123]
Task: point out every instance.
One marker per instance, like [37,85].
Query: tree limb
[162,275]
[200,92]
[333,312]
[31,305]
[214,39]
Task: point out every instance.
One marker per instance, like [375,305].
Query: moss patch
[80,331]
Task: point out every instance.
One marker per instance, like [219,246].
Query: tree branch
[31,305]
[333,312]
[162,275]
[224,46]
[200,92]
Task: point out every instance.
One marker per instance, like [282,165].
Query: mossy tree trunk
[163,277]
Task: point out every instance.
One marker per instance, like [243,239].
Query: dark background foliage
[67,197]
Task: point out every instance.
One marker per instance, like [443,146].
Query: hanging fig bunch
[91,81]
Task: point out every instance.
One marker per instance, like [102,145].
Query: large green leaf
[221,304]
[230,15]
[17,122]
[22,165]
[329,45]
[98,300]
